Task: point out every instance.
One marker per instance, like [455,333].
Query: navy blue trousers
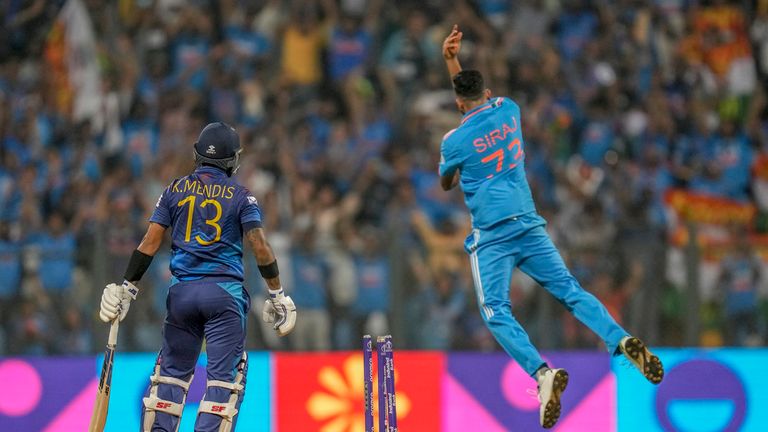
[207,308]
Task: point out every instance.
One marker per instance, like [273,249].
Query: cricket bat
[99,417]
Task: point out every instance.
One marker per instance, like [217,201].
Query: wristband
[269,271]
[137,266]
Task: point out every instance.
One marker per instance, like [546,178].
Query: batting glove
[280,311]
[116,300]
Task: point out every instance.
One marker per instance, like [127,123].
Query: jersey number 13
[212,222]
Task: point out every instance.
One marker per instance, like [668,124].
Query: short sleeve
[449,162]
[162,215]
[250,213]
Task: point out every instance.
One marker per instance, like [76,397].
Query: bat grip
[112,340]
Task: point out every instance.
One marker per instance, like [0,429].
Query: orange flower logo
[339,406]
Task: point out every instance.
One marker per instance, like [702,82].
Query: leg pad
[226,410]
[153,404]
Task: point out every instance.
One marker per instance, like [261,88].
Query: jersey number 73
[498,156]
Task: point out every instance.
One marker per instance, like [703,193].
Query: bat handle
[112,340]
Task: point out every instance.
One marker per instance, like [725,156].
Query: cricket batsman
[208,214]
[486,156]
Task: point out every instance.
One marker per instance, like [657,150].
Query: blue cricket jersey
[487,148]
[208,213]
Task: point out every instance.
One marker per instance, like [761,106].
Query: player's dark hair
[469,84]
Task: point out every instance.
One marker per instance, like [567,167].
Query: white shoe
[643,359]
[552,384]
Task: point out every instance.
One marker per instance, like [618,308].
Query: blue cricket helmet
[218,145]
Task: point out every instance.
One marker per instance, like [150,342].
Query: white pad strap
[157,379]
[235,387]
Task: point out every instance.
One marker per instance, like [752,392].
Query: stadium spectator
[10,271]
[31,331]
[310,288]
[372,304]
[73,337]
[302,43]
[437,311]
[739,280]
[55,247]
[406,57]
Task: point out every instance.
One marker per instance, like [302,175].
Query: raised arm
[372,15]
[451,48]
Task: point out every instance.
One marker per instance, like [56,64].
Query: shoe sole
[650,365]
[552,409]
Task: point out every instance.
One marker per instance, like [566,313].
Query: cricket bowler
[208,214]
[485,154]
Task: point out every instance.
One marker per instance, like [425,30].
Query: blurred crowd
[341,106]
